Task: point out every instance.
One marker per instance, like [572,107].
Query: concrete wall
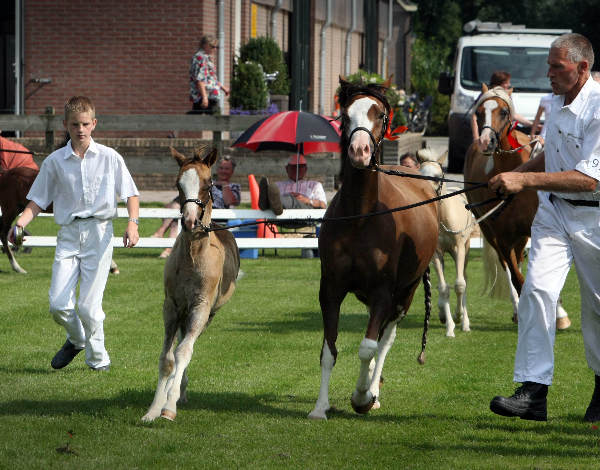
[149,160]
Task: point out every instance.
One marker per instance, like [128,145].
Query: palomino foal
[456,226]
[199,278]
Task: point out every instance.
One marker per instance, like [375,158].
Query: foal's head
[365,118]
[495,113]
[194,182]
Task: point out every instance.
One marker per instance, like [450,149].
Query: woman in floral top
[204,86]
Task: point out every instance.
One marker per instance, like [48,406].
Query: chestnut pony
[14,186]
[381,258]
[509,228]
[200,276]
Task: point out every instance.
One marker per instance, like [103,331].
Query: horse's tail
[427,287]
[495,283]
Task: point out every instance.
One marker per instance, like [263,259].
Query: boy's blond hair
[79,104]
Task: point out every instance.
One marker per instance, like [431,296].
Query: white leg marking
[366,352]
[384,346]
[322,405]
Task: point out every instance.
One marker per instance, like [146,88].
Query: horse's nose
[359,149]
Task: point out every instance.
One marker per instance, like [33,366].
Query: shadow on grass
[349,322]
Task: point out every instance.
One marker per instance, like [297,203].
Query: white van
[492,47]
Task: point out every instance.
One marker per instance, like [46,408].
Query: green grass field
[255,376]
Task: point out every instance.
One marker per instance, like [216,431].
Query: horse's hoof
[148,418]
[168,414]
[515,318]
[376,405]
[317,414]
[363,409]
[563,323]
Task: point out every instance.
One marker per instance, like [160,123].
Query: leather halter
[376,143]
[202,205]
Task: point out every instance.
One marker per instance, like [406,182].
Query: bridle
[203,205]
[376,142]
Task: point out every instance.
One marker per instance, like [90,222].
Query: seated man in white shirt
[295,193]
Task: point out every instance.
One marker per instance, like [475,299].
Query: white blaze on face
[361,145]
[190,185]
[488,107]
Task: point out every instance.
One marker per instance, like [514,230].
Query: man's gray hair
[578,48]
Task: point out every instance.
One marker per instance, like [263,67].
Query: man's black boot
[592,414]
[528,402]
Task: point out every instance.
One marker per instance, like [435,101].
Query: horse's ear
[388,82]
[211,157]
[484,88]
[179,158]
[343,81]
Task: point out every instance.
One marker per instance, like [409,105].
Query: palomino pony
[200,276]
[14,186]
[381,258]
[509,228]
[456,226]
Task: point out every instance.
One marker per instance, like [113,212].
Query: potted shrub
[248,88]
[267,53]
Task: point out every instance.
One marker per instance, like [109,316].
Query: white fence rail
[219,214]
[245,215]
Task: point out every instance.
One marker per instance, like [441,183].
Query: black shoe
[263,194]
[275,199]
[528,402]
[105,368]
[64,357]
[592,414]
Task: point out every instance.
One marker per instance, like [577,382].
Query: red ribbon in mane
[389,133]
[512,140]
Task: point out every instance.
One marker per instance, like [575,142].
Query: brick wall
[129,56]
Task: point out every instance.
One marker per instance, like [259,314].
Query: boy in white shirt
[82,180]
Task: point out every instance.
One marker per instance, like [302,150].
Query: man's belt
[578,202]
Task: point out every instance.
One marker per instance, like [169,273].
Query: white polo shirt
[308,188]
[82,187]
[573,137]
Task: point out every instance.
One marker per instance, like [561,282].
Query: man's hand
[131,235]
[507,183]
[302,198]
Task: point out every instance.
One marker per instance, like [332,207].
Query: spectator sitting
[409,160]
[224,194]
[295,193]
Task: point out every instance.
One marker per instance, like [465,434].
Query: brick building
[132,56]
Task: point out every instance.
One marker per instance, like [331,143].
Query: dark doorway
[7,58]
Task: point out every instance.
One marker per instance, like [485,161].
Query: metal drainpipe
[274,12]
[349,40]
[322,57]
[221,52]
[388,39]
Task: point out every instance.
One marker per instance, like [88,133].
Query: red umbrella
[292,131]
[13,155]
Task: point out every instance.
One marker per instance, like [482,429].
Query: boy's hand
[15,235]
[131,235]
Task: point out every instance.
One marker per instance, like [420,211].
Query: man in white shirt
[82,180]
[295,193]
[566,229]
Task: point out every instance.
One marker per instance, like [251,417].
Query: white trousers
[560,235]
[83,254]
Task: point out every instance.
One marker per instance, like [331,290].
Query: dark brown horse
[381,259]
[509,228]
[14,186]
[200,276]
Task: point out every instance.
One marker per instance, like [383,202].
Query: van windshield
[527,66]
